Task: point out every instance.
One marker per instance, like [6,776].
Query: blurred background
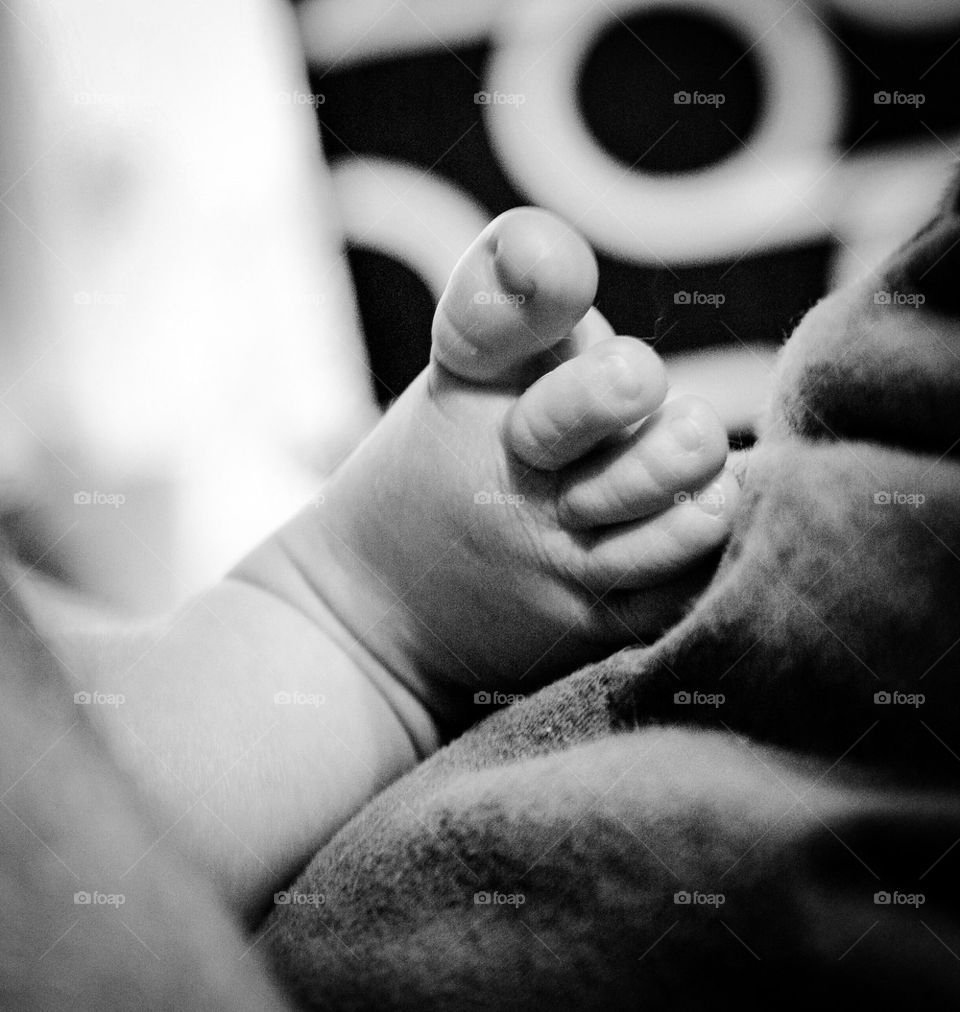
[224,225]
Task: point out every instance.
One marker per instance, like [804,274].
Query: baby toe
[646,553]
[677,450]
[518,291]
[584,401]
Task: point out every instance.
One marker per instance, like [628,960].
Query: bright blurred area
[181,358]
[202,309]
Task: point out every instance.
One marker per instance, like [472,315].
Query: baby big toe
[518,291]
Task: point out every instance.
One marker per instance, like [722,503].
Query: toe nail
[687,433]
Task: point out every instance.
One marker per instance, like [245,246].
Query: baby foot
[531,501]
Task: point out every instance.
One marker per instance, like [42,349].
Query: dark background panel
[420,109]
